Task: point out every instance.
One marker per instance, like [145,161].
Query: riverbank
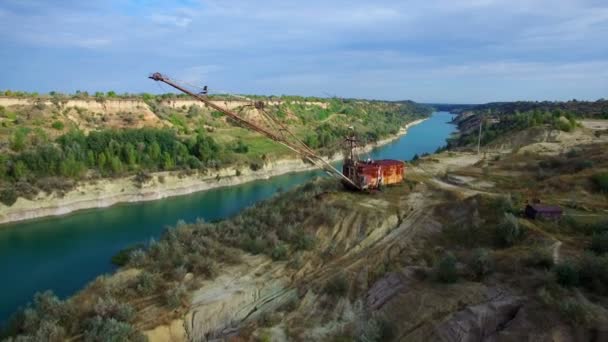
[108,192]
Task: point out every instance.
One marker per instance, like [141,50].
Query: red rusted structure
[374,174]
[360,175]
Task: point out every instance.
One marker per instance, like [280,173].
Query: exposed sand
[107,192]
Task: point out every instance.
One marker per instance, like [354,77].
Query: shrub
[58,125]
[147,283]
[337,285]
[254,166]
[503,204]
[279,252]
[176,296]
[44,319]
[8,196]
[582,165]
[376,329]
[601,182]
[109,307]
[303,241]
[593,272]
[575,311]
[241,147]
[110,330]
[540,258]
[482,263]
[508,231]
[122,257]
[138,258]
[445,269]
[599,243]
[566,274]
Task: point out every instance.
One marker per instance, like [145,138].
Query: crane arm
[300,148]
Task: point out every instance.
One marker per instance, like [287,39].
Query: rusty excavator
[356,174]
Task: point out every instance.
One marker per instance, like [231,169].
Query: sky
[439,51]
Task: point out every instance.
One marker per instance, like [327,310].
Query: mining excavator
[356,174]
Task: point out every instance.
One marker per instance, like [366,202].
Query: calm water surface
[64,253]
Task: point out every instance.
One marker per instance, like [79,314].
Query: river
[64,253]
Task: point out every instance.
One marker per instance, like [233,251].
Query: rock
[479,322]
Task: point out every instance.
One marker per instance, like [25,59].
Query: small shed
[543,211]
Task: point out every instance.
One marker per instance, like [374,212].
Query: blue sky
[426,50]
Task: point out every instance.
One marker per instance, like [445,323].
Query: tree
[168,162]
[19,170]
[129,155]
[102,161]
[115,165]
[18,140]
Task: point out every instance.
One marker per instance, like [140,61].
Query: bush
[508,231]
[303,241]
[176,296]
[566,274]
[540,258]
[593,272]
[601,182]
[58,125]
[43,320]
[110,330]
[376,329]
[279,252]
[123,256]
[147,283]
[582,165]
[445,269]
[8,196]
[599,243]
[337,285]
[575,312]
[482,263]
[109,307]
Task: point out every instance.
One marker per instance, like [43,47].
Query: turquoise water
[64,253]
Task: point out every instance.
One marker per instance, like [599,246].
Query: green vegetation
[51,319]
[337,285]
[445,269]
[482,263]
[108,153]
[508,123]
[586,109]
[601,182]
[46,147]
[169,268]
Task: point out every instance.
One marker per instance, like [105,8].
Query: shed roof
[545,208]
[387,162]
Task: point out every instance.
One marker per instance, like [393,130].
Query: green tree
[19,170]
[168,162]
[130,155]
[102,161]
[115,165]
[18,140]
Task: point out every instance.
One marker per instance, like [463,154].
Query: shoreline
[108,192]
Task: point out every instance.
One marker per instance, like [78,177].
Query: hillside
[447,255]
[502,119]
[53,143]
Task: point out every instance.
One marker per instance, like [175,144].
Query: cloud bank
[429,51]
